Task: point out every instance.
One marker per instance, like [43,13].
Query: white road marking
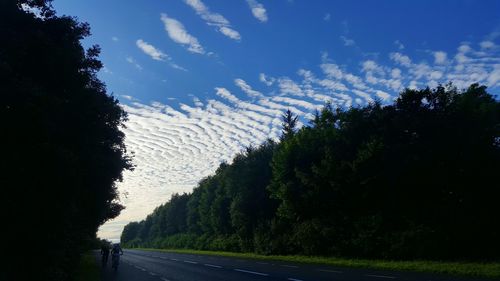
[251,272]
[327,270]
[293,279]
[164,279]
[175,259]
[381,276]
[163,258]
[152,273]
[286,265]
[212,265]
[193,262]
[262,262]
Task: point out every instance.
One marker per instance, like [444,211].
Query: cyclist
[116,252]
[104,254]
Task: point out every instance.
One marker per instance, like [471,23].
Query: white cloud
[439,57]
[413,85]
[297,102]
[396,73]
[362,94]
[265,79]
[114,38]
[128,97]
[231,33]
[133,62]
[494,77]
[346,99]
[355,81]
[157,54]
[288,86]
[464,48]
[213,19]
[176,66]
[197,102]
[202,10]
[178,34]
[487,45]
[347,41]
[383,95]
[151,51]
[434,75]
[401,59]
[332,85]
[327,17]
[246,88]
[307,74]
[258,10]
[399,44]
[280,107]
[371,65]
[223,92]
[420,70]
[331,70]
[461,58]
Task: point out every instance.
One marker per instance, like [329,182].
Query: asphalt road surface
[159,266]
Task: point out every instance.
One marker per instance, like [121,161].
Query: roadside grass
[88,269]
[470,269]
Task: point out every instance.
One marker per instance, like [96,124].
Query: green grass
[88,269]
[471,269]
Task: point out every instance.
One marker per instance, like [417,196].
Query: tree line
[61,142]
[415,179]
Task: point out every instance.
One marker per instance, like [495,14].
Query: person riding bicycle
[115,255]
[105,254]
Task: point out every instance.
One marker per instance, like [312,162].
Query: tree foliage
[415,179]
[62,148]
[289,124]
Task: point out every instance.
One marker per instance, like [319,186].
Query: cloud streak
[151,51]
[348,41]
[157,54]
[258,10]
[214,19]
[132,61]
[177,32]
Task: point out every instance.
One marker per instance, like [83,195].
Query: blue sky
[201,79]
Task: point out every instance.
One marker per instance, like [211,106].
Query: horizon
[176,68]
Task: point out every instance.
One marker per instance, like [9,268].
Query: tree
[289,124]
[410,180]
[251,207]
[63,148]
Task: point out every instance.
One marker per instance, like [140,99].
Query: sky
[203,79]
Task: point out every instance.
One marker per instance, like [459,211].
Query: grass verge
[471,269]
[88,269]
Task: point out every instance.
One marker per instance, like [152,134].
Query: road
[159,266]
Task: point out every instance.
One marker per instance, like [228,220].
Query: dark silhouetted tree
[62,148]
[288,124]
